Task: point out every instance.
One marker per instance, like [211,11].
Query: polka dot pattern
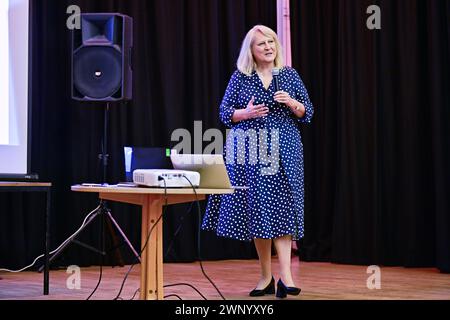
[273,204]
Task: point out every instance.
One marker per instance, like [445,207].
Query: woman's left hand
[296,106]
[283,97]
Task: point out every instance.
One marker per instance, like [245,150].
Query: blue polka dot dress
[268,160]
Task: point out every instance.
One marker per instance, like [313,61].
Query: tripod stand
[102,210]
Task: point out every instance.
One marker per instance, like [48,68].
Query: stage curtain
[378,151]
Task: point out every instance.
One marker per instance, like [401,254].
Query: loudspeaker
[101,58]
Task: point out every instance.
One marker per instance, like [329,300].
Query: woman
[271,208]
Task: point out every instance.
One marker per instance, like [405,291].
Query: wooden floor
[235,278]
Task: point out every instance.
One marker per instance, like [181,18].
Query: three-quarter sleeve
[301,94]
[230,100]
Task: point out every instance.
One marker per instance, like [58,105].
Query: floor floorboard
[235,278]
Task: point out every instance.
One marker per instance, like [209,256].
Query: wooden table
[36,187]
[151,200]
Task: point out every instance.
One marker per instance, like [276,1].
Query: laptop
[213,174]
[145,158]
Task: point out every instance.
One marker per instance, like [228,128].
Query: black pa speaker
[101,58]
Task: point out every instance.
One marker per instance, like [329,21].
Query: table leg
[144,234]
[154,253]
[47,244]
[159,255]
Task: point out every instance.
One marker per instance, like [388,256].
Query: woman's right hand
[253,111]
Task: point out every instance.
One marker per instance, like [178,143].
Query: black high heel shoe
[270,289]
[283,291]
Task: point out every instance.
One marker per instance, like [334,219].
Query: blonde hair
[246,63]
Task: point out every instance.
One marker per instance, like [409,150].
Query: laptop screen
[145,158]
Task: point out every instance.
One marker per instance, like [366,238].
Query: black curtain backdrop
[377,154]
[184,55]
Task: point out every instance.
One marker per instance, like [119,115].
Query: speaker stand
[103,211]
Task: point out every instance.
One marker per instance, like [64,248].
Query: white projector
[172,178]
